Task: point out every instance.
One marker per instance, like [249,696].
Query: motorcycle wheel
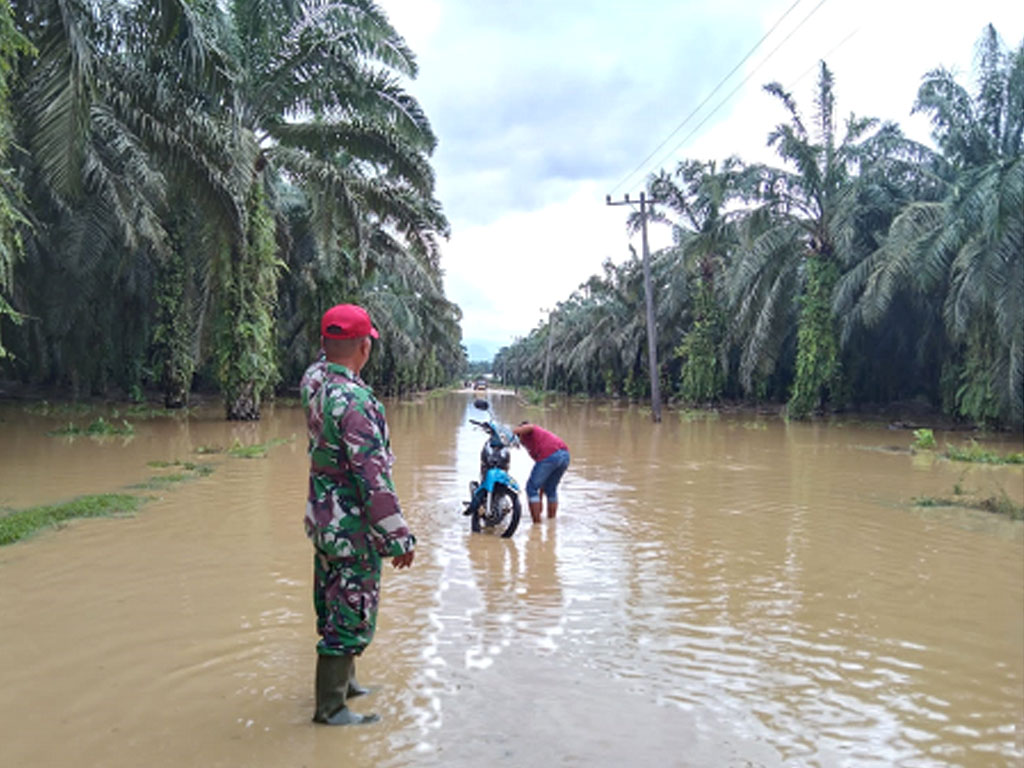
[509,516]
[474,516]
[476,501]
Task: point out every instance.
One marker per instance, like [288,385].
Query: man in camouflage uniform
[352,517]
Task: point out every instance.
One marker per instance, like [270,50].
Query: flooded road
[732,591]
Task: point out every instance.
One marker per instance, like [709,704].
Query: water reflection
[541,603]
[495,567]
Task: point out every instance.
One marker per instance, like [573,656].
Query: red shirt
[540,443]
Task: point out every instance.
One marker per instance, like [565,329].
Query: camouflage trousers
[346,592]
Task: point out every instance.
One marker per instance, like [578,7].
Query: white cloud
[514,269]
[416,20]
[542,108]
[877,68]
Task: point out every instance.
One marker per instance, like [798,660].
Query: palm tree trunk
[817,356]
[246,333]
[244,406]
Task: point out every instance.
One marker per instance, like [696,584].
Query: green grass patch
[160,482]
[1000,504]
[924,439]
[240,451]
[99,427]
[200,469]
[977,454]
[20,523]
[256,450]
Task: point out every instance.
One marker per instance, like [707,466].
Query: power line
[743,82]
[824,57]
[731,93]
[708,97]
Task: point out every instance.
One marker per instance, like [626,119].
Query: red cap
[346,321]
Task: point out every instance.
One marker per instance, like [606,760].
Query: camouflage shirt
[352,507]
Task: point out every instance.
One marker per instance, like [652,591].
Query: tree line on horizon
[864,269]
[186,185]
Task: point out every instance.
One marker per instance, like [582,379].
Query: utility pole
[652,337]
[547,357]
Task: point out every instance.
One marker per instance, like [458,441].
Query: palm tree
[319,98]
[615,334]
[965,245]
[795,243]
[597,336]
[100,117]
[12,43]
[705,235]
[177,156]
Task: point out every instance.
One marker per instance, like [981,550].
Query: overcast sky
[542,107]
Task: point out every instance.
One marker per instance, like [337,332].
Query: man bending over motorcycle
[551,455]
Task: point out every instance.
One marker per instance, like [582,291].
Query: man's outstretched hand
[403,561]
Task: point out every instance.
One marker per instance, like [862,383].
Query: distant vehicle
[480,385]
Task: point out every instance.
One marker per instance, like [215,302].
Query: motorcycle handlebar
[513,443]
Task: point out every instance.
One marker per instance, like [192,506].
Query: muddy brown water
[732,591]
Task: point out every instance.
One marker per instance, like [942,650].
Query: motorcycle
[494,498]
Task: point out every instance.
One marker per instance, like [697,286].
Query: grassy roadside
[16,524]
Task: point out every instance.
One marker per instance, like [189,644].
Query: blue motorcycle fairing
[495,477]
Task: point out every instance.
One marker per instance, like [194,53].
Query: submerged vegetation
[18,523]
[1000,504]
[160,482]
[46,408]
[973,452]
[99,427]
[188,471]
[255,450]
[863,269]
[924,439]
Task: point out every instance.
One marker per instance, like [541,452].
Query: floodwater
[732,591]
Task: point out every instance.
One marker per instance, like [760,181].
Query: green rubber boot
[354,688]
[333,674]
